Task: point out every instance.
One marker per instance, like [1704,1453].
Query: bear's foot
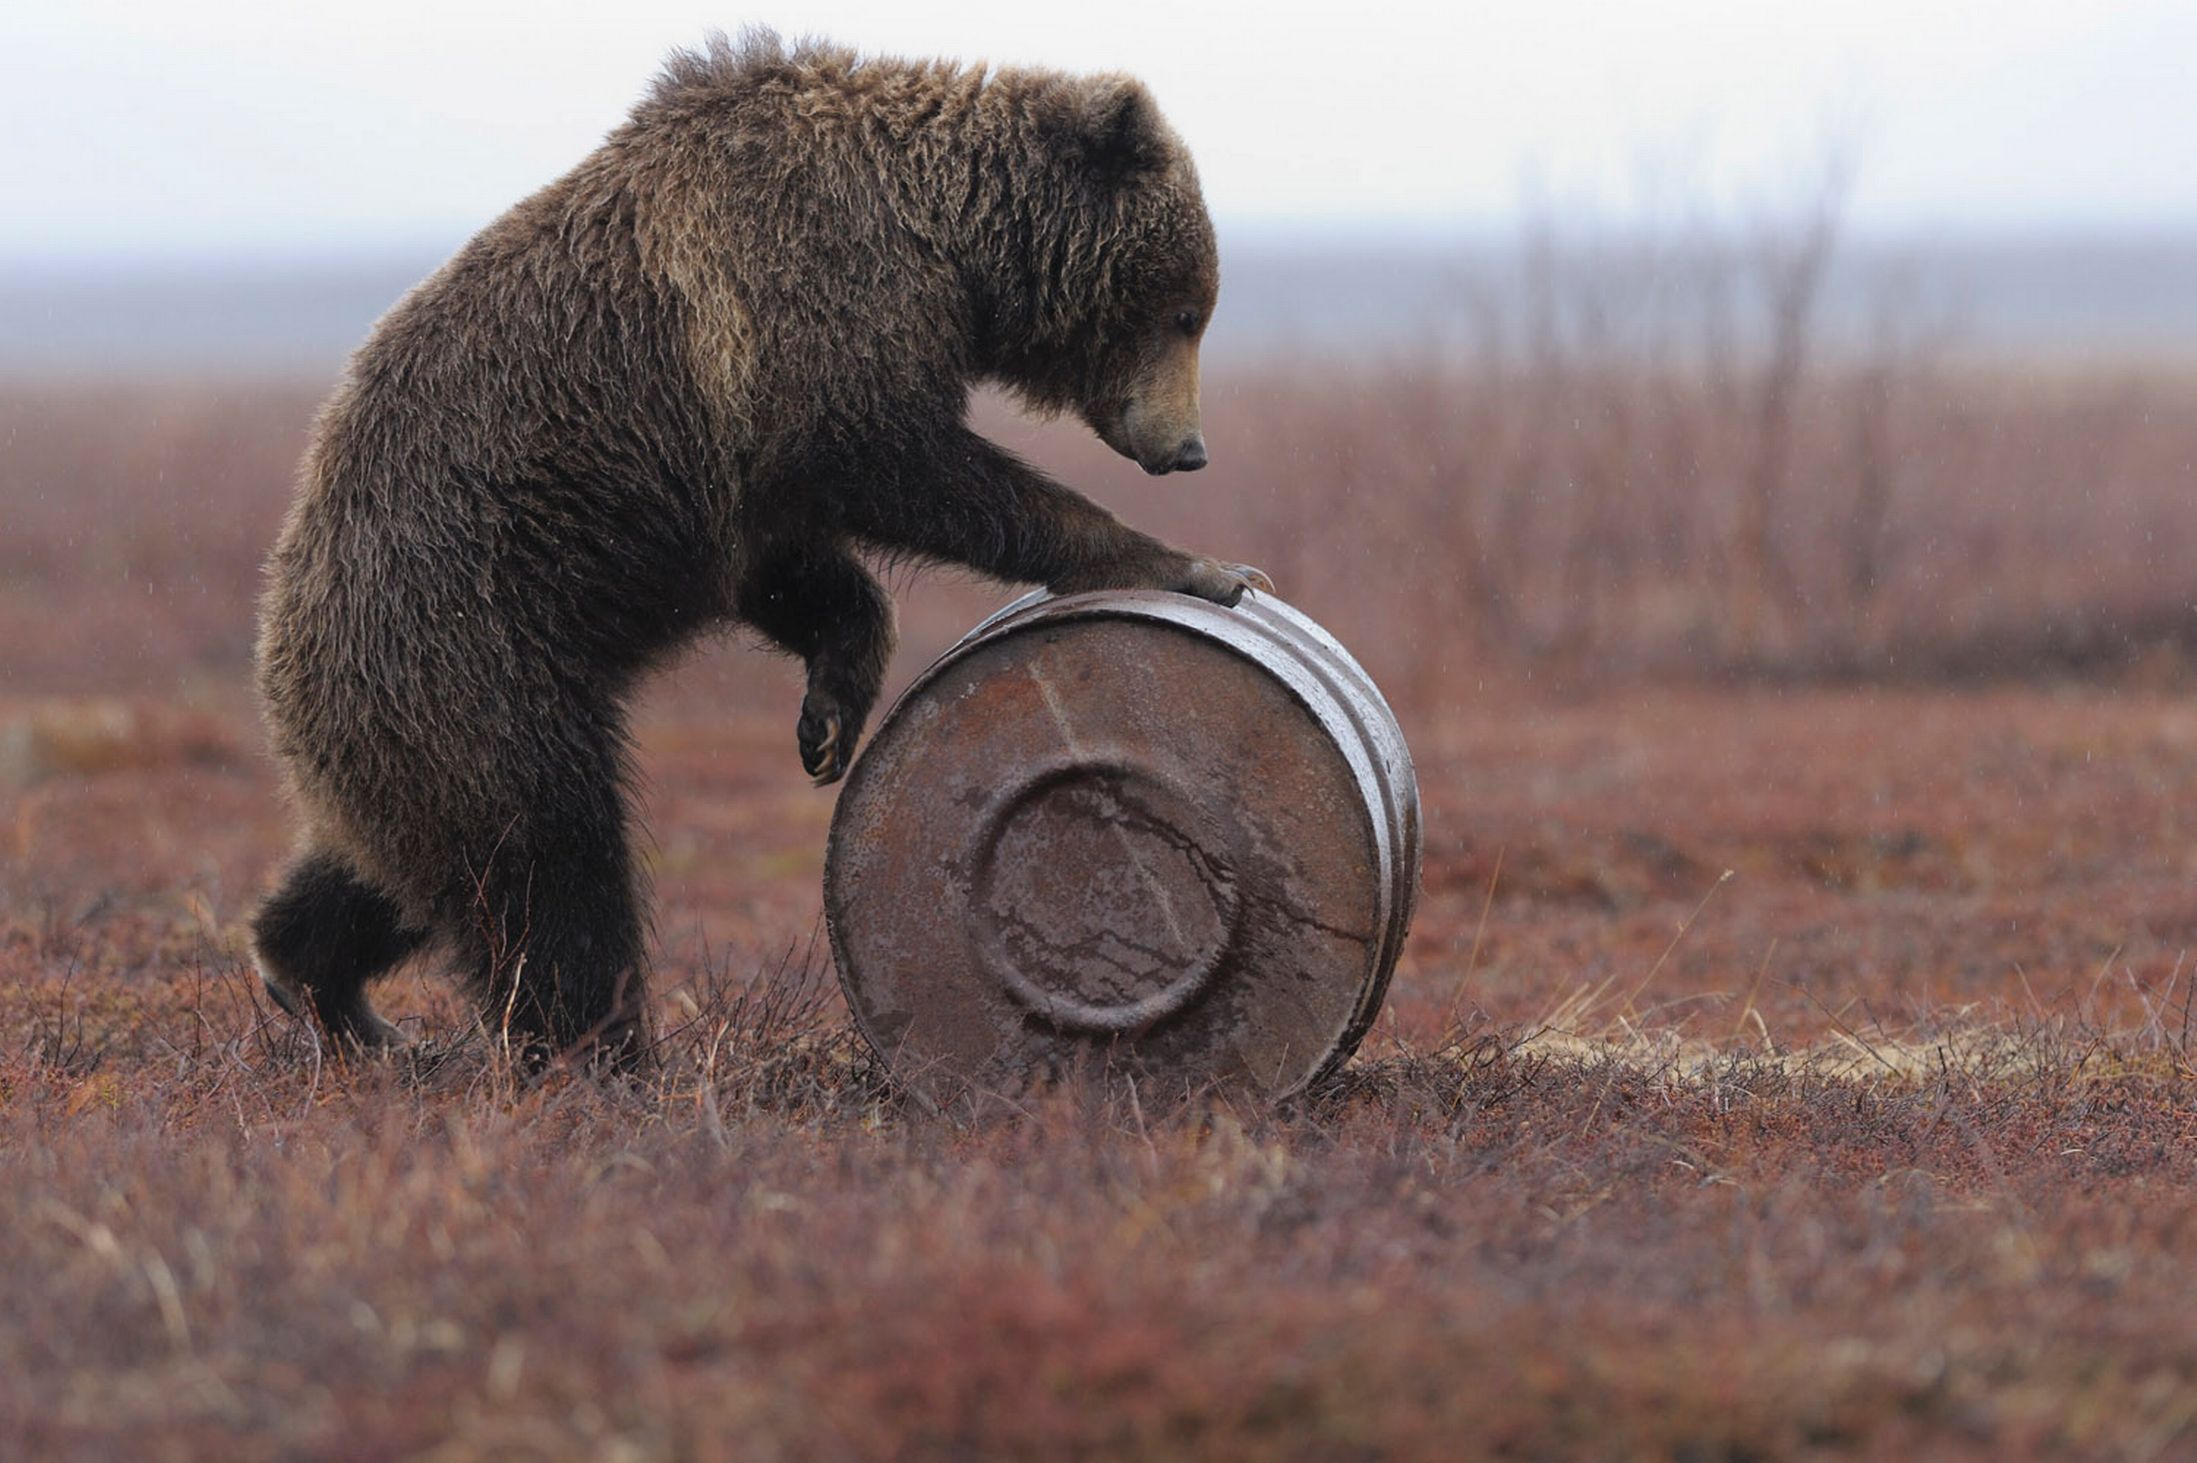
[357,1025]
[1223,584]
[826,749]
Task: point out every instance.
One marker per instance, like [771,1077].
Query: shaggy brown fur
[676,388]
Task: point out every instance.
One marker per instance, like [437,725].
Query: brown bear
[684,386]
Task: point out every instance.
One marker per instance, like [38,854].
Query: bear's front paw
[1224,584]
[827,744]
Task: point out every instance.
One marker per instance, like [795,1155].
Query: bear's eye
[1187,322]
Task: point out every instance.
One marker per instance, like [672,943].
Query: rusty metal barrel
[1126,831]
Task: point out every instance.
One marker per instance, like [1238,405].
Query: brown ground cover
[1779,1067]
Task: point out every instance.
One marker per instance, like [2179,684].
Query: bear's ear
[1113,125]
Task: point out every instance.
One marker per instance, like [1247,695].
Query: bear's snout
[1188,457]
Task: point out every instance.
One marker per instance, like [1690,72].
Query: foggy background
[242,187]
[1574,341]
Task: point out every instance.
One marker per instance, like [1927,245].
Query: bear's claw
[283,996]
[821,754]
[361,1028]
[1254,577]
[1223,584]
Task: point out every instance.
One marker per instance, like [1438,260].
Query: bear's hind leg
[318,941]
[557,938]
[817,601]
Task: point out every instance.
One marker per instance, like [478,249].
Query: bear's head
[1125,273]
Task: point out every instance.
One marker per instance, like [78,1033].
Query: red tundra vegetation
[1792,1056]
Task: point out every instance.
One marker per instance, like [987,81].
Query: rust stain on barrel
[1134,829]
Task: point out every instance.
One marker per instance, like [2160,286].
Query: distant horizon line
[1262,233]
[1339,292]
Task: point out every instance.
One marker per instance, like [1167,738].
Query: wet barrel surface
[1127,831]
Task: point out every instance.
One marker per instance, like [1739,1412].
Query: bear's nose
[1191,457]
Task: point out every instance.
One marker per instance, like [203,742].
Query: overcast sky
[153,127]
